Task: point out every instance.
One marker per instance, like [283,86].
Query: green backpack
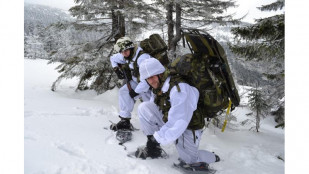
[207,69]
[156,47]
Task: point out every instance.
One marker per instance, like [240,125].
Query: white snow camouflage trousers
[126,103]
[151,121]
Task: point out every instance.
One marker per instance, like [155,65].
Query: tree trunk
[121,21]
[118,22]
[257,109]
[114,21]
[257,120]
[170,23]
[178,25]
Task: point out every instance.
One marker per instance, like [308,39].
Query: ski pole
[227,114]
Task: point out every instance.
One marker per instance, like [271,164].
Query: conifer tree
[193,13]
[257,103]
[89,61]
[264,42]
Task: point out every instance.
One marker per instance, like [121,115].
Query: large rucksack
[207,69]
[156,47]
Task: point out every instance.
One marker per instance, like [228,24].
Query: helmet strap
[131,54]
[159,79]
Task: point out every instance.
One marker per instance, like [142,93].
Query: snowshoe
[152,149]
[195,168]
[123,130]
[217,158]
[142,152]
[122,124]
[123,135]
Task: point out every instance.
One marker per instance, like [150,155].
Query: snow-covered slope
[41,16]
[64,134]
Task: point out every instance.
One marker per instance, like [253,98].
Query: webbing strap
[213,80]
[135,68]
[194,138]
[162,99]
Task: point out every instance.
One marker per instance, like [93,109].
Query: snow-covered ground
[63,134]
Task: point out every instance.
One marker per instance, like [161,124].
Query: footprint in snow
[71,150]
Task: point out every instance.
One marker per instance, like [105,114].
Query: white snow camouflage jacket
[119,59]
[183,104]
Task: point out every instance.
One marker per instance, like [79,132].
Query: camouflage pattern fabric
[123,43]
[206,69]
[156,47]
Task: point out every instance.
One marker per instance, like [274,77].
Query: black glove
[133,93]
[119,73]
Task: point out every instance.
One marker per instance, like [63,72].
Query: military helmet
[122,44]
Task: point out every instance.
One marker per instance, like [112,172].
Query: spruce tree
[257,103]
[190,13]
[89,60]
[263,43]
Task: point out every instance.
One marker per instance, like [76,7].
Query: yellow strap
[227,114]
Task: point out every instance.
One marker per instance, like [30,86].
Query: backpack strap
[194,137]
[212,77]
[135,71]
[165,105]
[163,99]
[135,67]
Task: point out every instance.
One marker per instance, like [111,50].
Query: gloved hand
[119,73]
[133,93]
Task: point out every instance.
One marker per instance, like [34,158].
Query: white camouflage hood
[150,67]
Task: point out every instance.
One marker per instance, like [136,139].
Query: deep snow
[63,134]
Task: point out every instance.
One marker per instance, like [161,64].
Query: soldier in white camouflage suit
[130,55]
[183,100]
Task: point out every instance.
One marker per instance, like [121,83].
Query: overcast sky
[245,6]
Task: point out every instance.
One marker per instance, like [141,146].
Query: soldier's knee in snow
[141,107]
